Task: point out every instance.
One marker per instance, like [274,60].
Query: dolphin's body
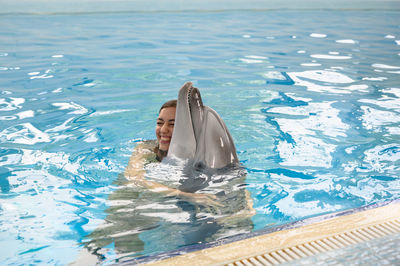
[200,134]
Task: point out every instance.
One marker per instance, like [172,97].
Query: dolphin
[200,135]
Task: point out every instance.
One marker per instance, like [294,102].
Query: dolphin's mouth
[194,101]
[189,97]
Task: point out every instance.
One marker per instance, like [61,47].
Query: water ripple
[24,133]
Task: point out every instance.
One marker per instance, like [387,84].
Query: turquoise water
[311,100]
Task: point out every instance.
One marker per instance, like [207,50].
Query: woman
[151,151]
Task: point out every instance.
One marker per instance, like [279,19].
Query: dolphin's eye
[199,166]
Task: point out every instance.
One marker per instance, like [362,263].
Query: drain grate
[322,245]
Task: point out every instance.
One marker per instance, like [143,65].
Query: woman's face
[165,127]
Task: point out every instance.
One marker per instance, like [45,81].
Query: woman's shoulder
[146,148]
[146,145]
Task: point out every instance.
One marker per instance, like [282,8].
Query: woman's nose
[164,128]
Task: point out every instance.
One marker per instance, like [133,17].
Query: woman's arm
[135,173]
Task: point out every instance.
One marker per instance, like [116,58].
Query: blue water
[311,100]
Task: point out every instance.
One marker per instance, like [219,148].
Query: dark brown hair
[170,103]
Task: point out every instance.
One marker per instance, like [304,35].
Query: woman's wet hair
[170,103]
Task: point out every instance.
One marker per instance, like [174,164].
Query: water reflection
[24,133]
[318,35]
[9,104]
[326,81]
[349,41]
[330,56]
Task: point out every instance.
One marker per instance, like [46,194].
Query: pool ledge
[290,244]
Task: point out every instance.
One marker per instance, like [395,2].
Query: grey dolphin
[200,134]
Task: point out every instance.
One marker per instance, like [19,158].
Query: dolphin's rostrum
[200,134]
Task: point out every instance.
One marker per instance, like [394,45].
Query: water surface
[311,99]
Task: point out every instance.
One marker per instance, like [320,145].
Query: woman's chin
[163,147]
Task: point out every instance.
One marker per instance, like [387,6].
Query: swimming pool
[311,99]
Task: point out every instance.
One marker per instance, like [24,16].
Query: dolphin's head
[183,142]
[200,133]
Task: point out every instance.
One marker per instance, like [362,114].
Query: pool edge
[278,238]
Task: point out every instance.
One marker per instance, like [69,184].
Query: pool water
[311,99]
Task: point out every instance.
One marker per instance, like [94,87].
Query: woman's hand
[205,200]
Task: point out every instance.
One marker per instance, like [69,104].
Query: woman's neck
[160,154]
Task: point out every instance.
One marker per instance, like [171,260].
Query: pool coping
[175,254]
